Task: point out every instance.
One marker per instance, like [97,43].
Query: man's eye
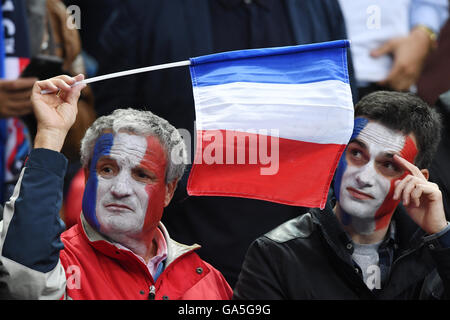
[388,165]
[391,166]
[355,153]
[389,169]
[142,175]
[106,171]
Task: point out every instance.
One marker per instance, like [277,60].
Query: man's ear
[170,190]
[425,173]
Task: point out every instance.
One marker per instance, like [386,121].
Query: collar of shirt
[160,256]
[231,4]
[389,239]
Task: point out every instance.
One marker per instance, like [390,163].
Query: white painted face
[121,200]
[370,170]
[131,185]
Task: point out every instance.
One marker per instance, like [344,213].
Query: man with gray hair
[119,249]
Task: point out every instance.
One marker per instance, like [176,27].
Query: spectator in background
[40,29]
[15,141]
[434,87]
[51,37]
[150,32]
[440,168]
[93,16]
[434,80]
[391,40]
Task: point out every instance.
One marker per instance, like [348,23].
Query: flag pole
[127,73]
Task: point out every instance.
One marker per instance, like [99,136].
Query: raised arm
[30,237]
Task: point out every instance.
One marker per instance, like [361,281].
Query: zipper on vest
[151,294]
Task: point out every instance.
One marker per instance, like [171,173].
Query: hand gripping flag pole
[127,73]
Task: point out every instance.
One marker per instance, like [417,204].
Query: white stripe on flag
[12,68]
[315,112]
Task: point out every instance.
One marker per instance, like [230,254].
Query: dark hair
[407,113]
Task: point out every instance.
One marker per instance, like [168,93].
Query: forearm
[49,139]
[30,240]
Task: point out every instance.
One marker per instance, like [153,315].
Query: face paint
[102,148]
[128,172]
[368,174]
[359,125]
[383,214]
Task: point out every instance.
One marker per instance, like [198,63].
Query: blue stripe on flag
[283,65]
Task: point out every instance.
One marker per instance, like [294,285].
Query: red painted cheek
[155,160]
[155,206]
[387,208]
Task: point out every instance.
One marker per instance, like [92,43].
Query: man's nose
[121,186]
[366,175]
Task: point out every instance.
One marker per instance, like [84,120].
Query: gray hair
[142,123]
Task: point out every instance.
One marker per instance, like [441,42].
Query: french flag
[271,123]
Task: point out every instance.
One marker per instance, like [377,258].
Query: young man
[365,245]
[119,249]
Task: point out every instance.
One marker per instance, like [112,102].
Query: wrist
[438,228]
[430,35]
[52,139]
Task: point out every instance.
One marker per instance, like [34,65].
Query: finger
[19,84]
[79,77]
[400,185]
[74,94]
[16,109]
[385,48]
[69,80]
[405,164]
[394,74]
[400,80]
[61,84]
[406,194]
[416,194]
[19,112]
[391,77]
[19,95]
[44,85]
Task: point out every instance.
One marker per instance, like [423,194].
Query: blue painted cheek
[339,173]
[359,125]
[90,201]
[102,147]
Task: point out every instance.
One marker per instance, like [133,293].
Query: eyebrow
[360,143]
[389,155]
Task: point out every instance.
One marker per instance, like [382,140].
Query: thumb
[385,48]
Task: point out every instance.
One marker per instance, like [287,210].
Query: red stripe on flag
[23,63]
[304,174]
